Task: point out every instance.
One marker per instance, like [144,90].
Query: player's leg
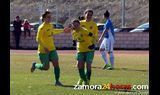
[25,31]
[110,52]
[80,65]
[89,60]
[54,59]
[44,65]
[16,37]
[102,50]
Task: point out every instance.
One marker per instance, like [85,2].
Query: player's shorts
[85,56]
[45,58]
[107,44]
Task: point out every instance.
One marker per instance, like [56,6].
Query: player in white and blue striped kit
[108,42]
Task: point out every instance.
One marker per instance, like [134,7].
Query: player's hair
[44,15]
[81,18]
[76,20]
[107,14]
[88,10]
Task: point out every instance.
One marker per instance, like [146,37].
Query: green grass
[129,69]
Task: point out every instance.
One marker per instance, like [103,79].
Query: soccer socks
[112,59]
[57,73]
[88,74]
[104,56]
[39,66]
[82,74]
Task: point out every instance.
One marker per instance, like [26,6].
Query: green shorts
[85,56]
[45,58]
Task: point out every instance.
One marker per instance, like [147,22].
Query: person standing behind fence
[27,28]
[17,24]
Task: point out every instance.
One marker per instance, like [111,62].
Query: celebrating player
[90,25]
[108,42]
[84,51]
[46,48]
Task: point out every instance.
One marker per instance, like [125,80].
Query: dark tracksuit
[17,32]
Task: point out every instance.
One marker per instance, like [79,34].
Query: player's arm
[102,35]
[87,33]
[74,39]
[57,31]
[106,28]
[73,35]
[66,29]
[95,37]
[95,34]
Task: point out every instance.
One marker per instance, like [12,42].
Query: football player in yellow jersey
[46,48]
[90,25]
[84,51]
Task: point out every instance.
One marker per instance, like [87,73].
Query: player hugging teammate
[85,51]
[85,37]
[86,34]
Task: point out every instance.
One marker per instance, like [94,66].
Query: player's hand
[91,46]
[74,43]
[67,30]
[70,26]
[90,34]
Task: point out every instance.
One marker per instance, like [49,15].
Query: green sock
[82,74]
[57,73]
[88,74]
[39,66]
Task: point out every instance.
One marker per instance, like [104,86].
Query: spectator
[27,28]
[17,24]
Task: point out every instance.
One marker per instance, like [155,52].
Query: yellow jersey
[91,26]
[45,37]
[83,39]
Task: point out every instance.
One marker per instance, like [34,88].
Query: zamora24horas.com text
[110,86]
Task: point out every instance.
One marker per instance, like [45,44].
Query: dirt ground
[145,52]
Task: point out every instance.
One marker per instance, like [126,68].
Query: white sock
[104,56]
[111,58]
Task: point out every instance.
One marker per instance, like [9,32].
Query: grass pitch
[130,68]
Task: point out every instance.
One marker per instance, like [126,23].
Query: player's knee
[80,65]
[109,52]
[55,63]
[88,66]
[101,49]
[45,67]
